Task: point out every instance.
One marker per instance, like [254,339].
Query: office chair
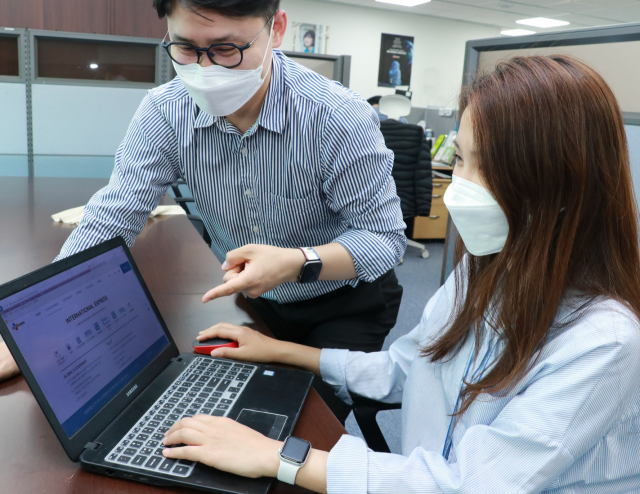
[411,169]
[184,201]
[414,184]
[395,106]
[365,411]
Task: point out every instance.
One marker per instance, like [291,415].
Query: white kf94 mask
[477,216]
[220,91]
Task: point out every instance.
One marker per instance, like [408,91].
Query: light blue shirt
[572,425]
[312,170]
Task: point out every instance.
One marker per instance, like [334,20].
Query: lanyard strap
[477,375]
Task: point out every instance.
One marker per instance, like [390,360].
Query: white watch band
[287,471]
[309,253]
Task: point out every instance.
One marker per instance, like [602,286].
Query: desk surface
[178,268]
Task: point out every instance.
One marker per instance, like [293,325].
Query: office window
[9,56]
[96,60]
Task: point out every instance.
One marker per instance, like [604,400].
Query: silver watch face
[295,450]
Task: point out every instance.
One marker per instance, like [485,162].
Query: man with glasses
[288,170]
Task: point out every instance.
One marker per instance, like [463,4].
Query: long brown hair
[551,147]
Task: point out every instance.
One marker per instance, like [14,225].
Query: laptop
[108,376]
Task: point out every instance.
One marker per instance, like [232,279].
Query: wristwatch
[293,456]
[311,268]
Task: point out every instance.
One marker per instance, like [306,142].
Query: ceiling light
[93,65]
[405,3]
[542,22]
[516,32]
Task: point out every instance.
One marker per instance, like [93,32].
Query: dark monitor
[405,92]
[334,67]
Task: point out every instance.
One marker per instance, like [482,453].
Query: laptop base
[271,392]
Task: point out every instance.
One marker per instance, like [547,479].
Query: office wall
[65,145]
[355,31]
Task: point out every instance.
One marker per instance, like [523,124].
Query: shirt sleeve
[379,376]
[360,189]
[145,165]
[567,408]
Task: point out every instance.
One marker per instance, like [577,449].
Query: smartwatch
[310,271]
[293,456]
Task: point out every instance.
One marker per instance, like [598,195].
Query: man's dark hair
[374,100]
[229,8]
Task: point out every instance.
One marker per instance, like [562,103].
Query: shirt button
[247,193]
[256,229]
[244,152]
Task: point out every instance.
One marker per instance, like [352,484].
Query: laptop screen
[85,333]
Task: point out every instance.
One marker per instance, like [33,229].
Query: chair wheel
[425,254]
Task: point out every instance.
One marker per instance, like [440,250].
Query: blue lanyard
[477,375]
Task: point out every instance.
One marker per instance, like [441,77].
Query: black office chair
[184,202]
[411,171]
[365,412]
[414,184]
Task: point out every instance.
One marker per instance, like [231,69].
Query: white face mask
[477,216]
[220,91]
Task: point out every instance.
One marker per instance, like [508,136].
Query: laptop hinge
[92,445]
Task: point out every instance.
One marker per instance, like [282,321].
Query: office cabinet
[434,225]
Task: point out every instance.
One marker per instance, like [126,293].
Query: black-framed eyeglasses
[227,55]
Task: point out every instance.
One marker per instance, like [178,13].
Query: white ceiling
[504,14]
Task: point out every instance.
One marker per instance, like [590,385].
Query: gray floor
[420,279]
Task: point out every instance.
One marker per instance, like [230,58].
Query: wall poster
[396,60]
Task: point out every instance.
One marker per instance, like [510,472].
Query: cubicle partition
[632,128]
[613,51]
[14,150]
[334,67]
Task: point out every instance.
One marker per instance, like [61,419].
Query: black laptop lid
[88,338]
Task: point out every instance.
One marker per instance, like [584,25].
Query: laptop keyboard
[208,387]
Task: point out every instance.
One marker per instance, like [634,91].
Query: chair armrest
[199,225]
[365,411]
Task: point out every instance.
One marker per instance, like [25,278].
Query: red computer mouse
[205,347]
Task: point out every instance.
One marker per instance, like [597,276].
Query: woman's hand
[252,345]
[224,444]
[256,347]
[8,366]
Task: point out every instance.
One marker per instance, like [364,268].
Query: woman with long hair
[309,41]
[524,372]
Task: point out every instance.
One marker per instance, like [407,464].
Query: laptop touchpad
[268,424]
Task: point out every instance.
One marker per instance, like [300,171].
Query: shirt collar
[203,119]
[272,114]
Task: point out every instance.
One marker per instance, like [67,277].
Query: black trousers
[356,319]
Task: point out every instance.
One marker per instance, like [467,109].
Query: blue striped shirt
[312,170]
[572,425]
